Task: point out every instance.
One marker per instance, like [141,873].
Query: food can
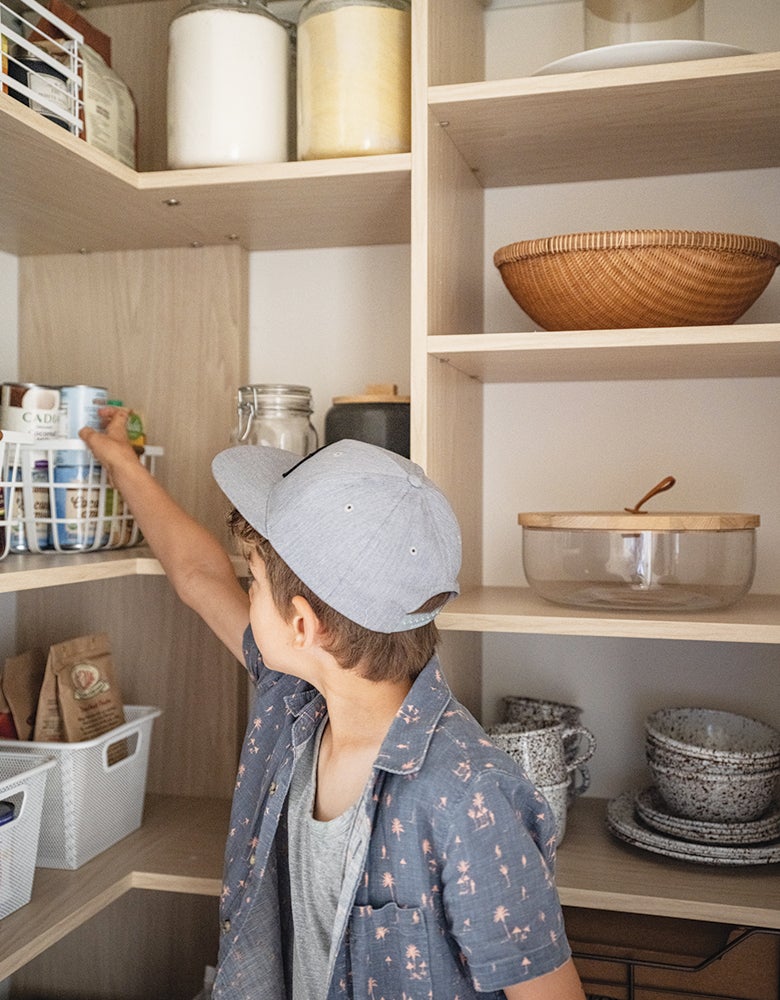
[76,506]
[29,532]
[80,405]
[30,408]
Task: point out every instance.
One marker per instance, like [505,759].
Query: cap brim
[246,474]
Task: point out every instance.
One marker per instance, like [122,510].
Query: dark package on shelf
[107,110]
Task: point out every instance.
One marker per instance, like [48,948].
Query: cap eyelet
[348,507]
[413,551]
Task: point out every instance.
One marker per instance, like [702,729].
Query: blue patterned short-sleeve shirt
[449,891]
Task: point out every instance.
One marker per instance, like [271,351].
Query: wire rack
[45,77]
[54,497]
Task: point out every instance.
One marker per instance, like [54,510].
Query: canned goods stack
[54,496]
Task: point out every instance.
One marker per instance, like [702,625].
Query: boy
[379,845]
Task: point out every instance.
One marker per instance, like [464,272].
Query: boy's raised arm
[197,566]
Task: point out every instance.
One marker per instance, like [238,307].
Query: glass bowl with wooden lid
[637,561]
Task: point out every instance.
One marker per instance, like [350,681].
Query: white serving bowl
[703,795]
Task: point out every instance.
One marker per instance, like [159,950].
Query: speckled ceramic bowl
[703,795]
[696,737]
[660,753]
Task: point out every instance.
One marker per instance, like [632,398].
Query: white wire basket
[55,498]
[48,80]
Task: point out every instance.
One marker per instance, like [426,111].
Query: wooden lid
[604,520]
[384,392]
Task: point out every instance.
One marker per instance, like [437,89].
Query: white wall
[334,320]
[9,330]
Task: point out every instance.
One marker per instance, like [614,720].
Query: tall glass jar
[354,78]
[228,84]
[614,22]
[276,415]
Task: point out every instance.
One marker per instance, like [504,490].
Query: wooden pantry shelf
[320,203]
[31,571]
[755,619]
[597,871]
[594,871]
[670,118]
[741,350]
[171,852]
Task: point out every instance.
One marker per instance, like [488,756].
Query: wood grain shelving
[258,206]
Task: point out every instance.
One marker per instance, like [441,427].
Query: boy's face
[272,633]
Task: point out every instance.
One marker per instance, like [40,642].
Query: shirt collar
[406,744]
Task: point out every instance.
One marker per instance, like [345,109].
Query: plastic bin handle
[132,737]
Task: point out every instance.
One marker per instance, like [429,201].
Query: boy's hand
[110,446]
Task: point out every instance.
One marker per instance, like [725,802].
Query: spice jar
[380,416]
[353,78]
[228,83]
[276,415]
[613,22]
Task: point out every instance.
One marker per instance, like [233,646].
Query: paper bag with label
[80,674]
[22,679]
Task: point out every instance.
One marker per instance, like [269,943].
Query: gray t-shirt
[317,859]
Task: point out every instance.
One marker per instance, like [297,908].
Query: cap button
[415,480]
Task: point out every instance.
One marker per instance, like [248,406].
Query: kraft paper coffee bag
[88,701]
[21,683]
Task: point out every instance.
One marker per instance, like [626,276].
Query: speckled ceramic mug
[534,713]
[541,753]
[558,799]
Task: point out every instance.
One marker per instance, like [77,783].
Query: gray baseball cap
[364,528]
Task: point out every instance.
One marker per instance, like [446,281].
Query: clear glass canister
[353,78]
[614,22]
[228,85]
[276,415]
[677,561]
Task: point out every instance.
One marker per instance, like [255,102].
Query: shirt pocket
[389,952]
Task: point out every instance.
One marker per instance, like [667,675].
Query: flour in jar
[354,79]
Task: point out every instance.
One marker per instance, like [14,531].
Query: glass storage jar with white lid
[228,84]
[276,415]
[675,561]
[353,78]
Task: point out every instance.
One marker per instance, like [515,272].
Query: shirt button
[252,859]
[272,788]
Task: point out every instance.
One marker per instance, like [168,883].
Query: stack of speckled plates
[642,819]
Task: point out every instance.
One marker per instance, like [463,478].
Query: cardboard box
[94,38]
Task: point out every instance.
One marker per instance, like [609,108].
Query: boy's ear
[305,623]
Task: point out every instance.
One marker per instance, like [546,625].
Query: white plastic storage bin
[54,497]
[22,783]
[89,804]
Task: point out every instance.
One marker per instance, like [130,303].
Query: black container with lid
[380,416]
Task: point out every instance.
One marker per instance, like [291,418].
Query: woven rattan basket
[637,278]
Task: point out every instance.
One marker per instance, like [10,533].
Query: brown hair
[382,656]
